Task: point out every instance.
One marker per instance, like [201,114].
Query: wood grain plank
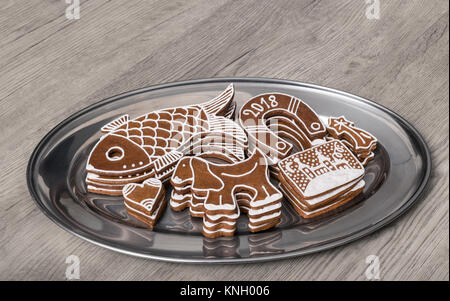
[53,67]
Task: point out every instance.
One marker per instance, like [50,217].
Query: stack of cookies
[264,214]
[145,201]
[321,178]
[326,172]
[220,216]
[217,192]
[150,145]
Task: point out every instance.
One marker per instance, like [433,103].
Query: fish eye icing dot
[227,290]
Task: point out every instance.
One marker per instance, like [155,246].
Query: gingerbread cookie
[148,146]
[321,178]
[359,141]
[145,201]
[295,120]
[216,191]
[306,212]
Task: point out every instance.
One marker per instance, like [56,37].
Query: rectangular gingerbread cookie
[321,169]
[323,199]
[338,202]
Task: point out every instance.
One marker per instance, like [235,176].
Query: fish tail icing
[231,138]
[230,111]
[219,106]
[219,124]
[223,136]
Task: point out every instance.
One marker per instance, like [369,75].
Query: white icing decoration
[220,230]
[215,217]
[265,110]
[330,180]
[297,203]
[111,126]
[92,175]
[281,145]
[145,203]
[191,124]
[209,225]
[321,169]
[340,126]
[177,180]
[265,217]
[253,227]
[315,126]
[267,200]
[259,199]
[151,216]
[263,210]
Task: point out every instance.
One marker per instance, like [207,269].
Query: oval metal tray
[56,173]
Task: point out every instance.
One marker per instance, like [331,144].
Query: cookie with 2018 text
[277,122]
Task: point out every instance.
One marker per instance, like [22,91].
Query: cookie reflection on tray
[181,222]
[264,243]
[221,247]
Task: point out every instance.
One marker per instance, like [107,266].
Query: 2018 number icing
[297,117]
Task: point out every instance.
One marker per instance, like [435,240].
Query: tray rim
[326,246]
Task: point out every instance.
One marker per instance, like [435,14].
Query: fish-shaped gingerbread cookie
[133,150]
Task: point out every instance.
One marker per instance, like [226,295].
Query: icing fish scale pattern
[163,131]
[150,145]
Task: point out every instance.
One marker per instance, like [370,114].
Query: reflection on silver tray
[56,174]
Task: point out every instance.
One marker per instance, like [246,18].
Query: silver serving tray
[56,173]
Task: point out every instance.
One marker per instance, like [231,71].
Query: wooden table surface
[51,67]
